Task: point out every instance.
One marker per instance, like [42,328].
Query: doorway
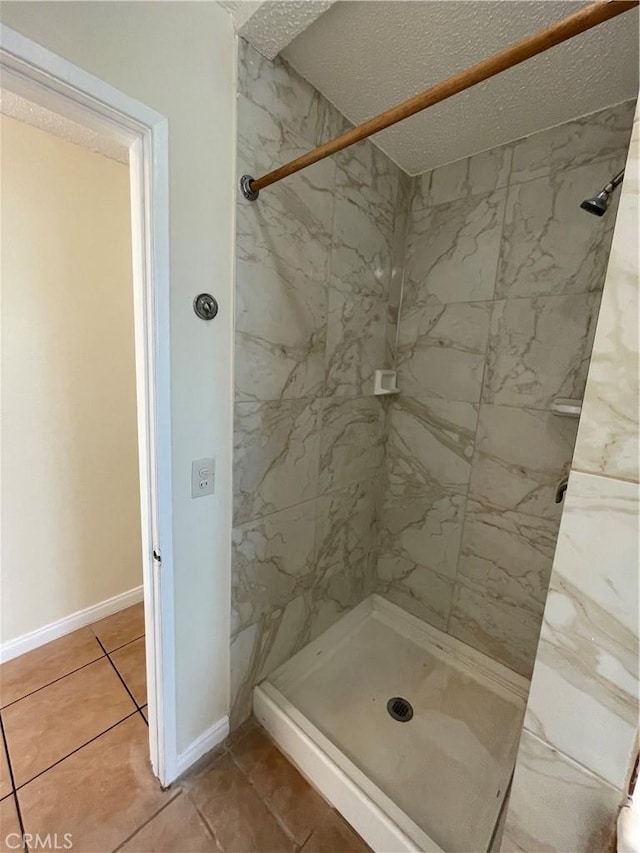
[42,79]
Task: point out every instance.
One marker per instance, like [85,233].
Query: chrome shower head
[598,204]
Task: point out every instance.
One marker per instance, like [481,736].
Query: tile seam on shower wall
[573,762]
[482,385]
[604,476]
[402,255]
[598,158]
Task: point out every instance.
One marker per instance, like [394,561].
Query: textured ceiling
[367,56]
[16,107]
[270,25]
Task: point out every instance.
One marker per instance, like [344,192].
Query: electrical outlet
[203,477]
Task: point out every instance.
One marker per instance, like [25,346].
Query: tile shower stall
[423,523]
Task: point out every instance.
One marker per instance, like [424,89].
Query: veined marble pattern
[364,172]
[593,137]
[556,805]
[481,173]
[276,456]
[430,443]
[262,647]
[351,449]
[442,347]
[346,531]
[283,254]
[521,456]
[608,433]
[588,654]
[355,340]
[551,246]
[416,589]
[396,282]
[281,329]
[453,249]
[359,284]
[503,631]
[583,703]
[273,562]
[293,102]
[539,349]
[339,593]
[423,531]
[509,554]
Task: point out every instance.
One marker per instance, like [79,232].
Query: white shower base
[435,783]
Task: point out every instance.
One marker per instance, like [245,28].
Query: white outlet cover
[203,477]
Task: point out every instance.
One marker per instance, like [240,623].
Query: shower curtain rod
[576,23]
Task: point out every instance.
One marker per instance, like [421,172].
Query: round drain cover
[400,709]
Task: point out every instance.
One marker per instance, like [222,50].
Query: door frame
[43,77]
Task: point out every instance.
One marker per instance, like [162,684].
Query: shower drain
[400,709]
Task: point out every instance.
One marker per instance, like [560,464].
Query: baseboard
[209,739]
[27,642]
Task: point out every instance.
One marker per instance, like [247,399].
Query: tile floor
[74,758]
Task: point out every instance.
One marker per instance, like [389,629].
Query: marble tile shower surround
[326,262]
[581,725]
[502,284]
[317,267]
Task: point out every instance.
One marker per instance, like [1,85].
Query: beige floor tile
[145,712]
[299,807]
[178,828]
[236,735]
[335,836]
[9,826]
[101,794]
[240,820]
[29,672]
[44,727]
[121,628]
[131,664]
[5,778]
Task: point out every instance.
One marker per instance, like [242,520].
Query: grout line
[171,800]
[73,751]
[205,820]
[14,792]
[124,684]
[117,648]
[53,681]
[265,802]
[603,476]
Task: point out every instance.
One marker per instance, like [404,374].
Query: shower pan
[408,732]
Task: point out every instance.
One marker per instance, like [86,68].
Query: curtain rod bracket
[245,188]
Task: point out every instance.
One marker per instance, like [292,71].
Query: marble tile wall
[317,270]
[581,723]
[502,284]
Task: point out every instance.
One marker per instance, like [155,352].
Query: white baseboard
[27,642]
[209,739]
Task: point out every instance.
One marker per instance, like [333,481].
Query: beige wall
[179,59]
[70,494]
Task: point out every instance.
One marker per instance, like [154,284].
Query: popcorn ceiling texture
[25,111]
[366,57]
[276,24]
[270,26]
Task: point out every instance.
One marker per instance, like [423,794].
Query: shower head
[598,204]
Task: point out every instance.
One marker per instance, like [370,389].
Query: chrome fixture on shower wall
[598,204]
